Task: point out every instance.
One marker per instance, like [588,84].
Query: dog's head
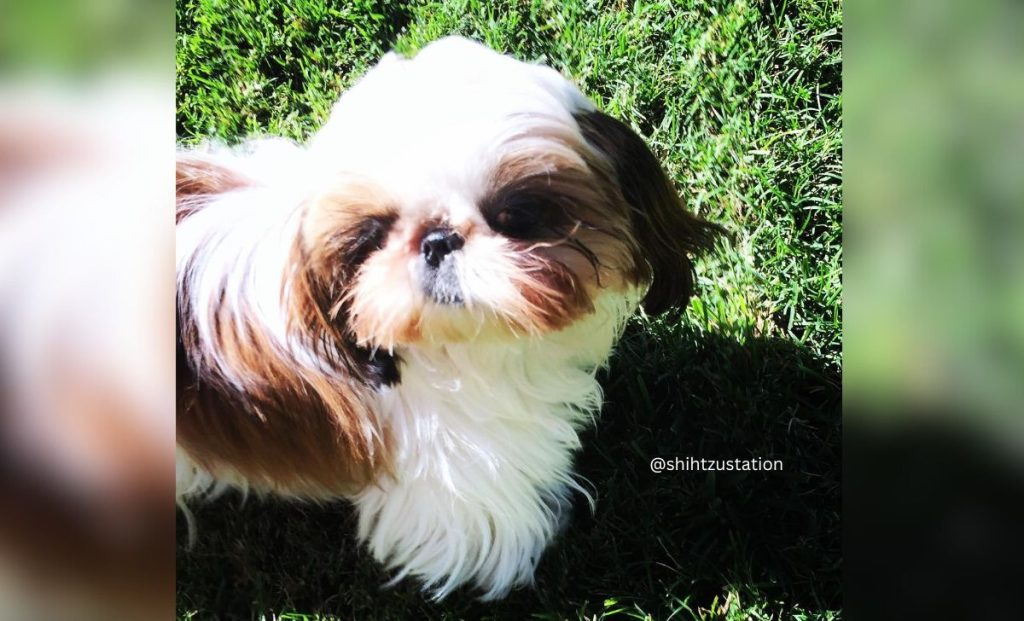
[462,194]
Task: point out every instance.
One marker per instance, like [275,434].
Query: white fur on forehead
[446,104]
[455,55]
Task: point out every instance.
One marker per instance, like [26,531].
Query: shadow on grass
[935,529]
[670,392]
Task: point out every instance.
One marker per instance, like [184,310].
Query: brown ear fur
[667,234]
[198,177]
[285,425]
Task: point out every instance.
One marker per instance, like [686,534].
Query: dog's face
[464,195]
[474,196]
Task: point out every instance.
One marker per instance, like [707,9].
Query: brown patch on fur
[582,242]
[288,427]
[198,178]
[339,233]
[247,407]
[554,295]
[666,234]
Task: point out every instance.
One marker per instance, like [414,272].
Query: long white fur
[484,441]
[484,431]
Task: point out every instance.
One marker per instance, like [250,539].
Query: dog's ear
[201,176]
[667,235]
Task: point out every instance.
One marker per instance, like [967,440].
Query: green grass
[742,102]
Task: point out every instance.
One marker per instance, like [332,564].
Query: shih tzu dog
[409,311]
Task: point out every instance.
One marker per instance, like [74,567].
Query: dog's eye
[518,220]
[371,234]
[368,238]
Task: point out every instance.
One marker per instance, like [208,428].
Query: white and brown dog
[409,312]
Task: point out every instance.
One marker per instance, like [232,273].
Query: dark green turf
[741,100]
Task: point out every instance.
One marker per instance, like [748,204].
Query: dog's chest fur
[483,440]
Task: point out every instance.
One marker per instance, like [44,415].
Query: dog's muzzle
[439,250]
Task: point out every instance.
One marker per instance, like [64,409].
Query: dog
[409,311]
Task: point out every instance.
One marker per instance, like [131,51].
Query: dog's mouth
[440,253]
[441,282]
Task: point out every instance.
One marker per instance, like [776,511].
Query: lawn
[742,102]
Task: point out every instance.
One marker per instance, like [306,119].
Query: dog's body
[410,312]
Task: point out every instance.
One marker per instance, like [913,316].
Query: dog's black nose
[438,244]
